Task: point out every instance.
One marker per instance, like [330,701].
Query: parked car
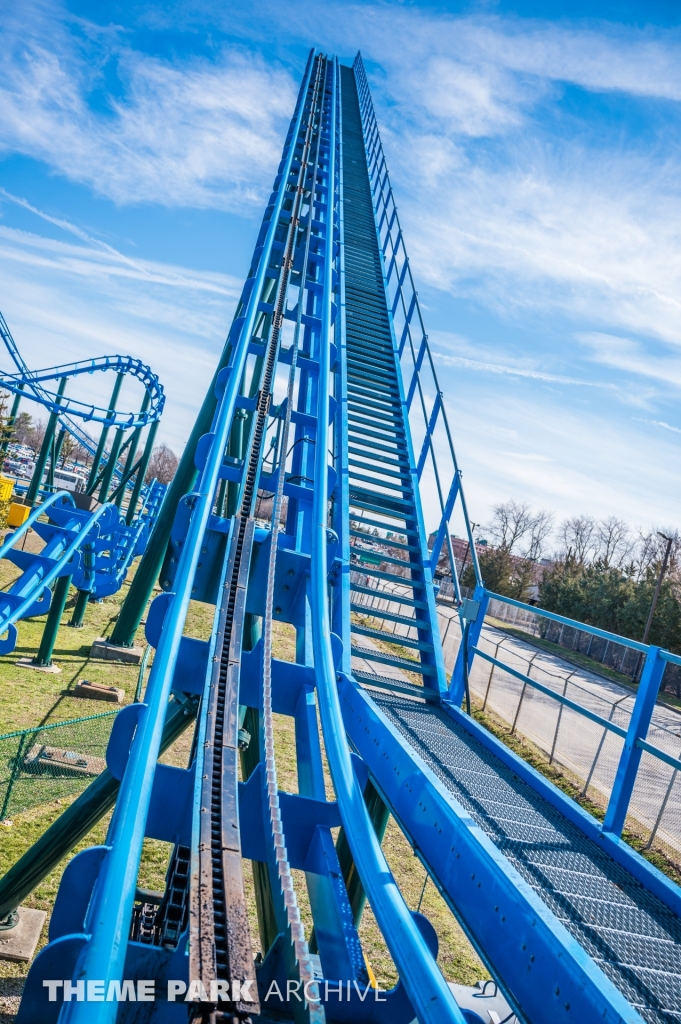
[16,468]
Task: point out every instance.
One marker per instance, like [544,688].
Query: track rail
[220,946]
[31,383]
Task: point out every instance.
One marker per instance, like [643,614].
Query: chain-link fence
[51,761]
[602,650]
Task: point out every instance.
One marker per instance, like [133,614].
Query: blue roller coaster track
[328,436]
[69,410]
[91,548]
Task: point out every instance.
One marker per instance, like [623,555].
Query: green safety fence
[53,761]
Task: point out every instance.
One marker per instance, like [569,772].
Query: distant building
[462,557]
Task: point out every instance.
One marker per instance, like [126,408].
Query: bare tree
[615,542]
[541,525]
[162,464]
[514,522]
[82,456]
[35,436]
[578,535]
[510,522]
[68,447]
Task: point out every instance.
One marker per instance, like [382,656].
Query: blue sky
[534,152]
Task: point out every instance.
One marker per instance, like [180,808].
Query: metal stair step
[393,578]
[386,683]
[404,475]
[377,613]
[412,602]
[381,525]
[381,540]
[391,486]
[392,638]
[385,557]
[373,501]
[389,659]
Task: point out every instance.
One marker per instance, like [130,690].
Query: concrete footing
[102,649]
[19,943]
[29,663]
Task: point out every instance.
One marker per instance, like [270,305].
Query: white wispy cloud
[660,423]
[629,355]
[513,371]
[530,456]
[507,197]
[192,132]
[65,301]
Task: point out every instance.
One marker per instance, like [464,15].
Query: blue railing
[634,737]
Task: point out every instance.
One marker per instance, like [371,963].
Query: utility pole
[653,606]
[658,586]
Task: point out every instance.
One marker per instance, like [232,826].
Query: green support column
[57,446]
[10,422]
[132,450]
[79,610]
[111,464]
[379,814]
[141,473]
[103,436]
[59,596]
[142,586]
[45,449]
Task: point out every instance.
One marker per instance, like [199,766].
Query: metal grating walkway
[633,937]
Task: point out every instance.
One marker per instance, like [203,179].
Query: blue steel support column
[470,630]
[630,758]
[428,991]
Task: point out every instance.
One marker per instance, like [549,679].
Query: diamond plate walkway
[632,936]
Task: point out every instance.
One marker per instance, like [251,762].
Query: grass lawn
[29,698]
